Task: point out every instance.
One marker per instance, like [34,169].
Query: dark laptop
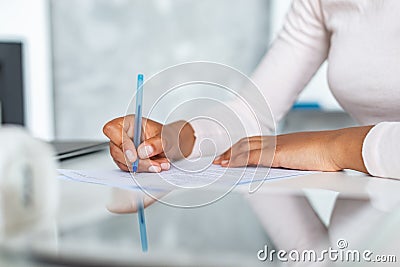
[70,149]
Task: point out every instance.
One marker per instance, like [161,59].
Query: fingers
[145,165]
[244,145]
[148,165]
[251,151]
[164,163]
[123,160]
[256,157]
[154,165]
[115,128]
[120,157]
[128,147]
[123,151]
[117,131]
[223,158]
[248,158]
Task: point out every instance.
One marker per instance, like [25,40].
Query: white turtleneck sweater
[360,39]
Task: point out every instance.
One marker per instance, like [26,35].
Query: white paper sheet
[175,178]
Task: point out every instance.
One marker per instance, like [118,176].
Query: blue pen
[138,119]
[135,165]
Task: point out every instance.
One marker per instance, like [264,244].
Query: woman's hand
[162,143]
[322,151]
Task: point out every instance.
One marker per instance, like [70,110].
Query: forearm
[347,148]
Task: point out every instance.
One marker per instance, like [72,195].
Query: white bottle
[28,184]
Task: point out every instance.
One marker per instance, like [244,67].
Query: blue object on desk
[135,165]
[306,106]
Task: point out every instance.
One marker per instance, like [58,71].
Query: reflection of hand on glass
[161,143]
[126,201]
[292,222]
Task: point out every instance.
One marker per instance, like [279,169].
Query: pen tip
[134,169]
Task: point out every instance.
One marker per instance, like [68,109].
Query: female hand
[161,143]
[322,151]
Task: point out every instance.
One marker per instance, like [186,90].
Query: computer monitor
[11,83]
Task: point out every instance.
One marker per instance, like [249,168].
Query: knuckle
[243,145]
[125,142]
[244,140]
[107,128]
[113,123]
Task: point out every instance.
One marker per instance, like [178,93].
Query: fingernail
[130,156]
[224,162]
[154,169]
[165,166]
[145,152]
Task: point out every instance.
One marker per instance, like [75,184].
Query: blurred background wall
[100,45]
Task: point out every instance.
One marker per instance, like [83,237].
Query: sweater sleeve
[381,150]
[293,59]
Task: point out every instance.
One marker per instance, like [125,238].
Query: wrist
[180,139]
[337,149]
[186,139]
[347,148]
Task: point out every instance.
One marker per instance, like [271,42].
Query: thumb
[151,147]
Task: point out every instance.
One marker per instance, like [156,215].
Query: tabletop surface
[80,204]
